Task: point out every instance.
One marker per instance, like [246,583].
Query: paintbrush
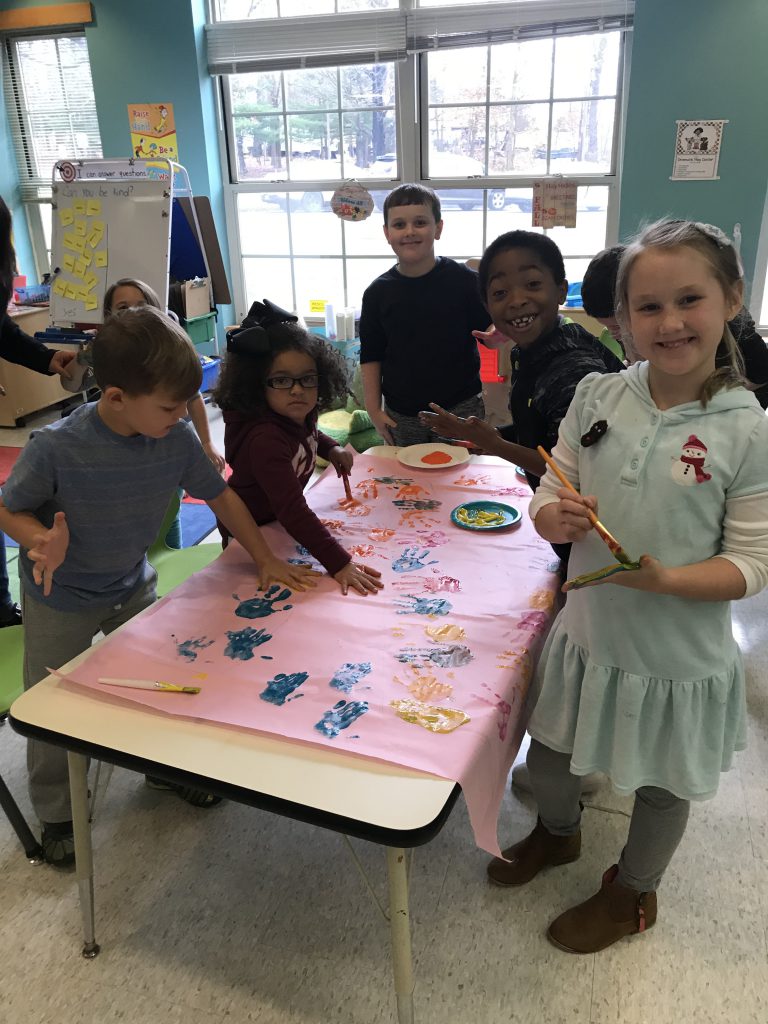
[148,684]
[347,488]
[614,546]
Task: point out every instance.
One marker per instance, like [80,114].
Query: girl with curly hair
[275,379]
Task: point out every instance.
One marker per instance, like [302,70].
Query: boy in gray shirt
[86,499]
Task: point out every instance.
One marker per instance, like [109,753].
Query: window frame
[22,135]
[412,147]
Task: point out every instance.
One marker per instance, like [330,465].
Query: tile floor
[234,915]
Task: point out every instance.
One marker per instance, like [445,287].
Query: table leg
[400,931]
[78,788]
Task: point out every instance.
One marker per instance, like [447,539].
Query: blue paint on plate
[512,516]
[520,472]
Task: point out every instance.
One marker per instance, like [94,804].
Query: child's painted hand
[573,514]
[341,461]
[297,577]
[490,338]
[652,576]
[383,424]
[361,578]
[447,424]
[215,456]
[49,551]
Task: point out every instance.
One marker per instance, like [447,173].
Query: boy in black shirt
[522,277]
[416,342]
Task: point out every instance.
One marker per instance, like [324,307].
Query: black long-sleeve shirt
[18,347]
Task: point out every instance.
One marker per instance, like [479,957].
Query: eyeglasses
[285,383]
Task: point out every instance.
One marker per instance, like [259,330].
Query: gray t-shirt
[114,490]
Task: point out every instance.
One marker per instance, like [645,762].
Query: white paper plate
[415,454]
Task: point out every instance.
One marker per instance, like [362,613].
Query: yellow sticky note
[317,305]
[66,217]
[98,225]
[90,279]
[59,286]
[79,206]
[94,238]
[80,226]
[80,268]
[69,262]
[87,257]
[100,258]
[92,207]
[78,245]
[70,240]
[91,302]
[70,291]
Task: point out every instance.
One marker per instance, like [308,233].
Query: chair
[173,565]
[11,687]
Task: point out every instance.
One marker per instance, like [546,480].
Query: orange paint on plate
[437,458]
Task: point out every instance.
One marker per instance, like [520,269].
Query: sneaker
[58,842]
[521,780]
[10,615]
[154,783]
[195,797]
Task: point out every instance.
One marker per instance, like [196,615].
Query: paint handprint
[468,480]
[433,538]
[410,560]
[420,504]
[394,481]
[412,605]
[426,687]
[367,489]
[341,716]
[349,674]
[534,622]
[417,519]
[411,490]
[445,656]
[431,584]
[243,641]
[517,661]
[188,648]
[260,607]
[279,689]
[503,709]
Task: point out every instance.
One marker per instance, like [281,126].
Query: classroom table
[384,803]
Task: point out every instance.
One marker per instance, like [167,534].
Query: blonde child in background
[129,291]
[275,378]
[641,677]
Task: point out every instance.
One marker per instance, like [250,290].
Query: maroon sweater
[272,459]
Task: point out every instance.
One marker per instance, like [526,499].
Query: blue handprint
[242,642]
[445,656]
[188,648]
[261,607]
[279,689]
[412,605]
[349,674]
[425,505]
[410,560]
[341,716]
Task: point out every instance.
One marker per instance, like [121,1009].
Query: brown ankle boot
[525,859]
[604,918]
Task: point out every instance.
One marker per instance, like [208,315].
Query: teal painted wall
[9,190]
[152,51]
[698,59]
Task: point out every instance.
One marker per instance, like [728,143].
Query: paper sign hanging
[153,131]
[554,204]
[697,150]
[352,201]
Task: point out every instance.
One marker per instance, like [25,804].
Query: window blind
[329,40]
[51,109]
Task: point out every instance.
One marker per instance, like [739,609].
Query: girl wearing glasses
[274,381]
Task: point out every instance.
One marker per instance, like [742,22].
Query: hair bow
[252,337]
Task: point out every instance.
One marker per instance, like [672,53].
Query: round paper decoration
[352,201]
[67,171]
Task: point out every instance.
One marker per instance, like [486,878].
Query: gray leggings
[51,639]
[410,431]
[655,830]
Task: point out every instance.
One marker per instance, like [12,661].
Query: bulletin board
[102,231]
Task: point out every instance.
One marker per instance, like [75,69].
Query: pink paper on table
[459,625]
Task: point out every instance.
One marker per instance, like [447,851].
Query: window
[52,115]
[411,94]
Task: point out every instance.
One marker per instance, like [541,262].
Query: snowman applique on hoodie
[689,468]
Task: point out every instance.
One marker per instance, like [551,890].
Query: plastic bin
[211,366]
[201,329]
